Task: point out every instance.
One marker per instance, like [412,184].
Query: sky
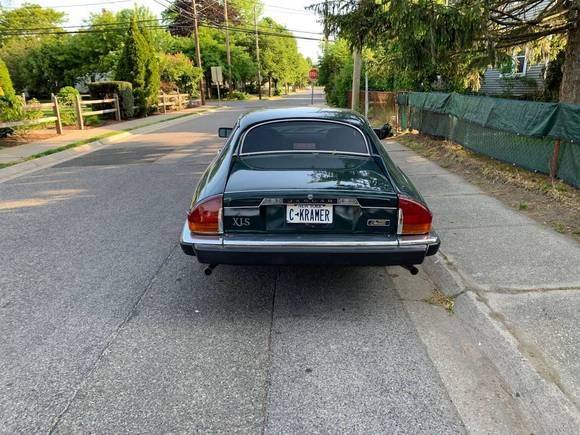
[290,13]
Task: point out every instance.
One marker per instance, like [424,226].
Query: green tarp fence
[519,132]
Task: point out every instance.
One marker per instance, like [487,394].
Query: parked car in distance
[306,186]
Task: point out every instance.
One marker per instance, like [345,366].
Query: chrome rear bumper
[307,248]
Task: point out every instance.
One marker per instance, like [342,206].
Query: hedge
[124,90]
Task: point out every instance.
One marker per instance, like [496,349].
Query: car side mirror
[379,132]
[385,131]
[224,131]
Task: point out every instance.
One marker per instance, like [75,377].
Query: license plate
[309,213]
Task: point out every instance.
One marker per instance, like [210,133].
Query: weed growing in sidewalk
[440,299]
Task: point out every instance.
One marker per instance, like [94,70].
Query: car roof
[308,113]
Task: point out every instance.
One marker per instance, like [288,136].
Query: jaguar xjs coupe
[306,186]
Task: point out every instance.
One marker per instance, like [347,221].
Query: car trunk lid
[353,189]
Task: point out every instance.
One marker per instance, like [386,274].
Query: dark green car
[306,186]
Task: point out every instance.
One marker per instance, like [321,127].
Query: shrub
[66,100]
[152,75]
[6,88]
[238,95]
[124,90]
[67,95]
[12,109]
[138,64]
[177,71]
[132,64]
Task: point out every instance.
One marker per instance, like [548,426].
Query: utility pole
[325,22]
[228,54]
[258,55]
[354,104]
[198,52]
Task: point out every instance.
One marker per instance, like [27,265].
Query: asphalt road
[106,327]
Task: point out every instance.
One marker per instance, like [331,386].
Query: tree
[570,88]
[152,78]
[6,88]
[179,15]
[434,39]
[133,63]
[177,70]
[50,66]
[26,21]
[100,50]
[22,30]
[279,54]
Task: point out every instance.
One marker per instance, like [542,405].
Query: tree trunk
[570,88]
[355,95]
[269,86]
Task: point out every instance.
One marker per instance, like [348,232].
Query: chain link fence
[543,137]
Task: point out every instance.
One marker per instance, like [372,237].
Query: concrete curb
[542,404]
[34,165]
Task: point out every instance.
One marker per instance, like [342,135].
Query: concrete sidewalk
[517,289]
[21,152]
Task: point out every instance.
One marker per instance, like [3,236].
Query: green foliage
[436,44]
[152,75]
[335,58]
[237,95]
[6,88]
[66,100]
[177,71]
[12,109]
[28,16]
[50,66]
[15,46]
[116,46]
[133,65]
[68,95]
[280,60]
[124,90]
[341,84]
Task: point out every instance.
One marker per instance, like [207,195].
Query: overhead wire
[108,27]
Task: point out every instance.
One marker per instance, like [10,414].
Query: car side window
[304,136]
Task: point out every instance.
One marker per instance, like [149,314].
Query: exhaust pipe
[411,268]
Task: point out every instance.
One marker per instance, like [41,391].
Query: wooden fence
[43,120]
[172,101]
[81,114]
[83,108]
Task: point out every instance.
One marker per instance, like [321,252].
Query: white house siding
[494,84]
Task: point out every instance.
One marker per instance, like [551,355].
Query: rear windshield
[304,136]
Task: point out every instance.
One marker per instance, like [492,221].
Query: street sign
[216,75]
[313,74]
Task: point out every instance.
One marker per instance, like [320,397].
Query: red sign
[313,74]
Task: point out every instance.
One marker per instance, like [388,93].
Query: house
[518,78]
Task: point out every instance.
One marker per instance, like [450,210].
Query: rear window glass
[304,136]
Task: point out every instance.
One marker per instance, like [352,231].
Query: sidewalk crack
[109,342]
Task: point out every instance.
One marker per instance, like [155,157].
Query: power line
[82,26]
[178,9]
[80,5]
[26,32]
[290,10]
[163,3]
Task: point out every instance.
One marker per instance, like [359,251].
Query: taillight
[205,217]
[414,217]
